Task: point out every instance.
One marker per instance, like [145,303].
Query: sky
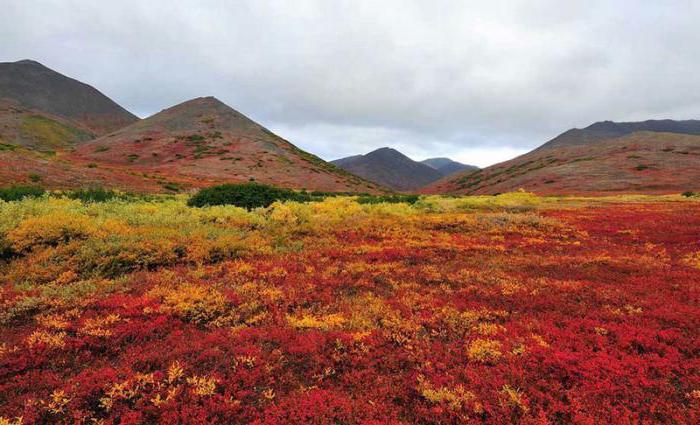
[476,81]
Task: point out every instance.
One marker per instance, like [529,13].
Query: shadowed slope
[389,167]
[446,166]
[35,86]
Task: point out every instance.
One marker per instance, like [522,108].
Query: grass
[51,134]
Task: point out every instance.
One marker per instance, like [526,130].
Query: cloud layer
[477,81]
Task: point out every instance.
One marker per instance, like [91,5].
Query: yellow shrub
[514,398]
[58,402]
[194,303]
[202,385]
[11,421]
[307,321]
[53,340]
[692,260]
[175,372]
[50,230]
[456,399]
[484,350]
[99,326]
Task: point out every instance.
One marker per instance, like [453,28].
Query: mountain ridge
[609,157]
[35,86]
[206,141]
[446,166]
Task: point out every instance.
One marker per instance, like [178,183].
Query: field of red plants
[499,310]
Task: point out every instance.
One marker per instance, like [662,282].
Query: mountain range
[62,133]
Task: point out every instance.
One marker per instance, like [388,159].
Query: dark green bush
[247,195]
[689,194]
[389,199]
[16,193]
[92,195]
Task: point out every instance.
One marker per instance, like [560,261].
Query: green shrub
[16,193]
[92,195]
[174,187]
[689,194]
[34,177]
[247,195]
[389,199]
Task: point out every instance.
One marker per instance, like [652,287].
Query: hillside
[22,166]
[608,129]
[205,141]
[640,162]
[34,86]
[446,166]
[389,167]
[21,126]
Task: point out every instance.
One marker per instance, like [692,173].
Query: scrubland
[494,309]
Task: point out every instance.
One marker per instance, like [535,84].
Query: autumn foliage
[499,310]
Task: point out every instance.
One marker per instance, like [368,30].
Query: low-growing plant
[92,195]
[689,194]
[247,195]
[388,199]
[17,193]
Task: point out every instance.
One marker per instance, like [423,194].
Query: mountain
[34,86]
[446,166]
[389,167]
[608,129]
[205,142]
[637,162]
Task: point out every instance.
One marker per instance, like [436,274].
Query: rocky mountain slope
[608,130]
[205,141]
[638,162]
[34,86]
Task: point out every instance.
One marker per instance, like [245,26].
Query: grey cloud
[443,78]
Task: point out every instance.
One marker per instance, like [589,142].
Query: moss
[49,133]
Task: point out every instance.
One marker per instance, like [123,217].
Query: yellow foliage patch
[484,350]
[50,230]
[326,322]
[455,399]
[193,303]
[202,385]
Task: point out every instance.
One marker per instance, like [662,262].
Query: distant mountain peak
[389,167]
[446,166]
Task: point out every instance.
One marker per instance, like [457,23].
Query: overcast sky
[478,81]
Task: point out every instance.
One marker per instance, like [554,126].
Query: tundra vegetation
[489,309]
